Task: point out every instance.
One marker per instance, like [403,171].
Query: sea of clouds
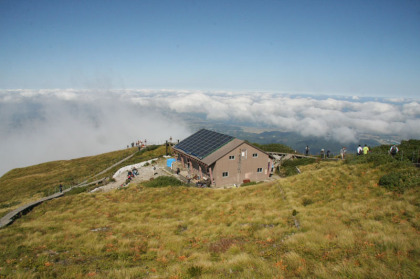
[42,125]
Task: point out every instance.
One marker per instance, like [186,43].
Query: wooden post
[211,176]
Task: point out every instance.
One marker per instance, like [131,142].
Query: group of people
[138,144]
[362,150]
[325,155]
[131,174]
[365,150]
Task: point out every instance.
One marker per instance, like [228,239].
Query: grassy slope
[350,227]
[23,185]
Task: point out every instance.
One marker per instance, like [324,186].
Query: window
[255,155]
[225,174]
[259,170]
[231,157]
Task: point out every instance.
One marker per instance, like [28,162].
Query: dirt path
[145,174]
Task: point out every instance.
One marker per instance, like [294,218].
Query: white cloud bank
[341,120]
[42,125]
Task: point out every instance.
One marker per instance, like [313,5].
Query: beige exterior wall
[243,165]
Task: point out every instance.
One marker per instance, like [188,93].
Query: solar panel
[203,143]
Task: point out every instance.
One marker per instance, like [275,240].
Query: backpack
[393,150]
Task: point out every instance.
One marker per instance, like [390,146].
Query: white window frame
[231,157]
[225,172]
[254,155]
[259,170]
[244,153]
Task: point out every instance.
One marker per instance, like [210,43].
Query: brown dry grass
[350,227]
[25,185]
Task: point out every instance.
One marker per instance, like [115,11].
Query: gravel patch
[145,174]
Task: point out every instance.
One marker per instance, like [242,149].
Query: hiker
[343,153]
[365,150]
[359,150]
[393,150]
[61,188]
[307,150]
[322,153]
[135,171]
[328,153]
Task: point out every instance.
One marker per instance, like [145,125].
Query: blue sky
[364,48]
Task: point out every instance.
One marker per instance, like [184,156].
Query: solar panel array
[203,143]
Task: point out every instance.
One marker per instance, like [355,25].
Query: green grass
[249,184]
[162,181]
[274,147]
[399,173]
[349,228]
[289,167]
[32,180]
[78,190]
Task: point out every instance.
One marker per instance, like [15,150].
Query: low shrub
[289,167]
[149,148]
[306,201]
[248,183]
[401,179]
[195,271]
[379,155]
[391,181]
[162,181]
[298,162]
[274,147]
[376,159]
[77,190]
[6,205]
[288,171]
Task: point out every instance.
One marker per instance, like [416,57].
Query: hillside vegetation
[23,185]
[274,147]
[334,220]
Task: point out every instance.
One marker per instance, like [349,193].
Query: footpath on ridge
[13,215]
